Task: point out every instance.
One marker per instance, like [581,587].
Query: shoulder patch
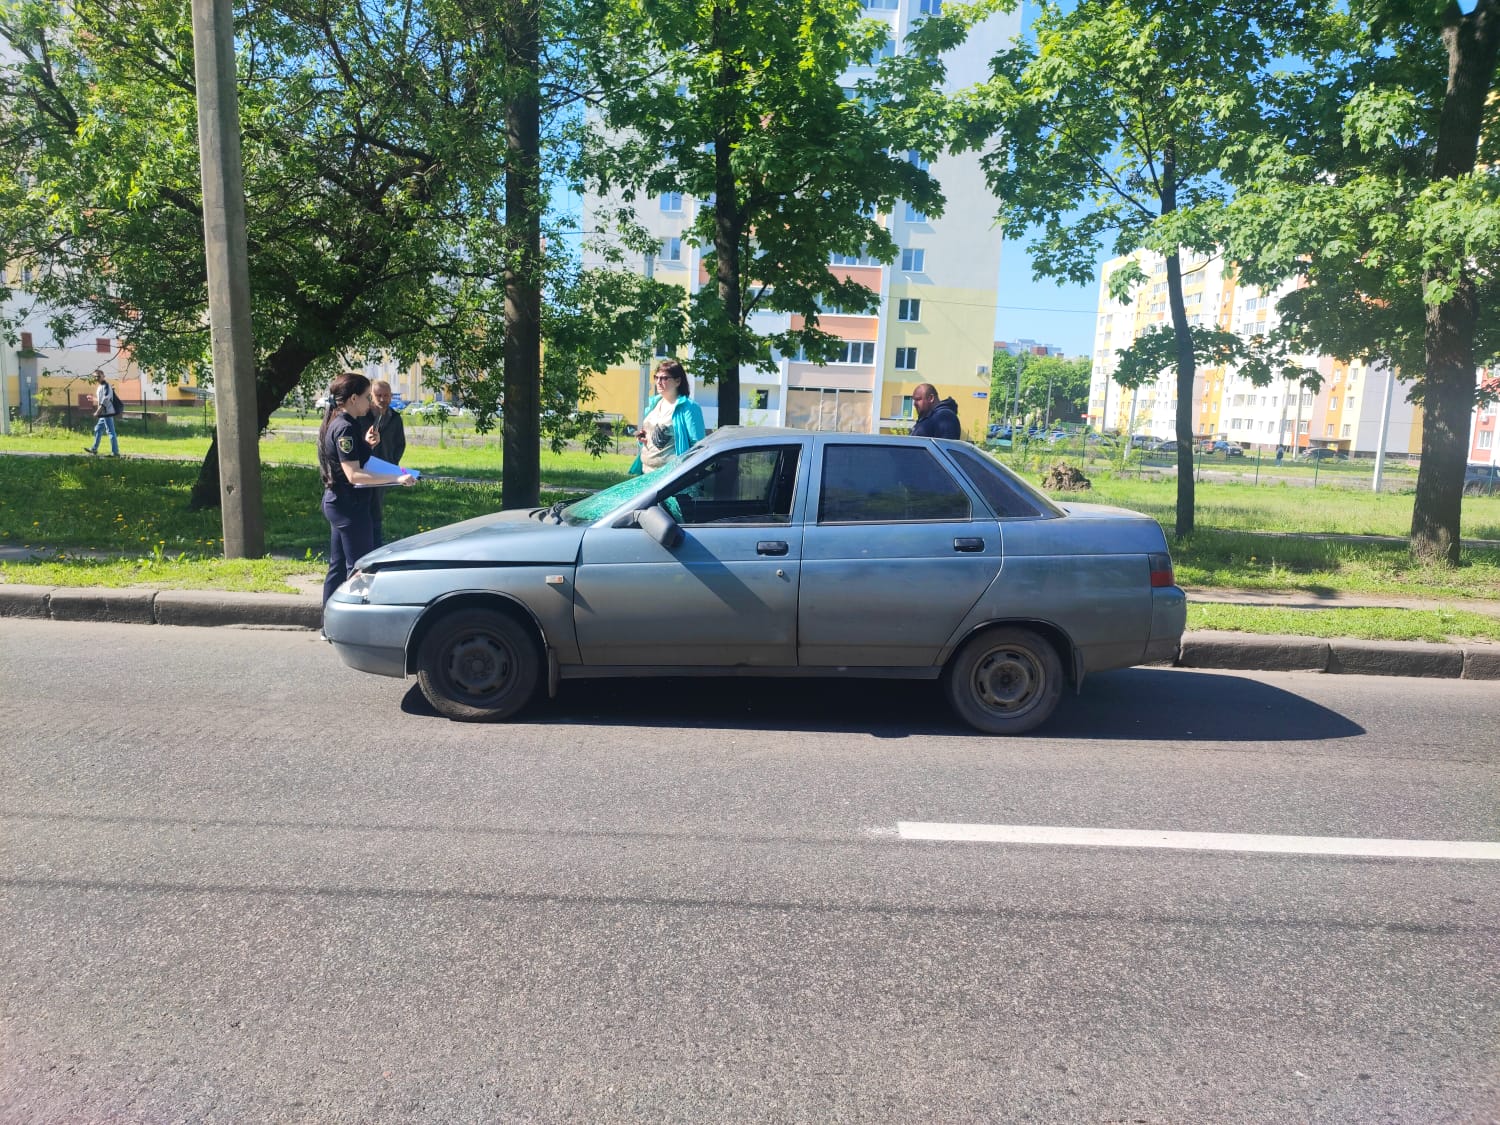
[346,444]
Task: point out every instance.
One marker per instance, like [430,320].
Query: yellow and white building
[1344,414]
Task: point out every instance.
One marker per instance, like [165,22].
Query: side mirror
[658,523]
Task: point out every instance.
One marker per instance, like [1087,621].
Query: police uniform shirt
[346,442]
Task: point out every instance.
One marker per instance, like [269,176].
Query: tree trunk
[1450,378]
[520,486]
[1186,367]
[728,225]
[273,382]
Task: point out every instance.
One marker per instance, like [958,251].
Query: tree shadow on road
[1139,704]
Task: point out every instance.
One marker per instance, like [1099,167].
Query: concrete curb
[161,607]
[1251,652]
[1264,653]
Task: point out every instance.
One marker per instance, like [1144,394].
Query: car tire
[477,664]
[1004,680]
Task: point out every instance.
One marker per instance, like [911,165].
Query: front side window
[671,249]
[912,261]
[909,309]
[744,486]
[671,201]
[906,359]
[885,484]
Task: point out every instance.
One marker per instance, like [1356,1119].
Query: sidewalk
[1206,649]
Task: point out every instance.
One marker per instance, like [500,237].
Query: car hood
[504,537]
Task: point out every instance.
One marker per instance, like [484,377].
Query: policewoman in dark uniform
[345,442]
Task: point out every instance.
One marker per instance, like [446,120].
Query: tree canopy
[1373,182]
[1121,114]
[375,140]
[741,106]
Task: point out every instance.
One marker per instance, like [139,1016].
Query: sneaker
[95,452]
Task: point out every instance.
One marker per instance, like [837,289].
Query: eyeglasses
[659,378]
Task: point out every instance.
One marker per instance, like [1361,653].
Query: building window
[101,346]
[916,160]
[1486,439]
[852,260]
[1302,429]
[671,201]
[760,399]
[913,215]
[663,351]
[909,309]
[906,359]
[882,5]
[1345,431]
[671,249]
[26,344]
[913,261]
[1333,404]
[1329,431]
[929,7]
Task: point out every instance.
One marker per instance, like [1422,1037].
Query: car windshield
[606,500]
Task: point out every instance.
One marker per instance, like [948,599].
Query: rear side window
[885,483]
[1006,495]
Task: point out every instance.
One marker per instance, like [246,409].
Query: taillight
[1161,571]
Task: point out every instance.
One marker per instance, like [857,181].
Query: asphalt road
[243,883]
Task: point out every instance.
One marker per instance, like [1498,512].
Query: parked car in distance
[1227,448]
[998,432]
[1162,447]
[1481,480]
[1322,454]
[775,552]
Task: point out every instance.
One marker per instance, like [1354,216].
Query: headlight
[360,583]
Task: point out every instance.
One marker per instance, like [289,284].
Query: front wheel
[1005,681]
[477,664]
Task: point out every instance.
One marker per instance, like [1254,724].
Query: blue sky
[1045,311]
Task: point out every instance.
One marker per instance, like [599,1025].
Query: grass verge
[1360,623]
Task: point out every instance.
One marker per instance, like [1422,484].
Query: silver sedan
[770,552]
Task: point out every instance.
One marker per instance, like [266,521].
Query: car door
[724,595]
[895,554]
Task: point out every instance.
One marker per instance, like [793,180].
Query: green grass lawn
[134,511]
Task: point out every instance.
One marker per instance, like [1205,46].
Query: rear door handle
[770,547]
[968,545]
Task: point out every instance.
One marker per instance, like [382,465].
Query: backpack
[114,397]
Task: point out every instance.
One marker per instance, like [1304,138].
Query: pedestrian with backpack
[106,406]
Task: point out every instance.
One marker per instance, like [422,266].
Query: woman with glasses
[673,421]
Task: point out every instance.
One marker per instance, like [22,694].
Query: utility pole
[228,279]
[1385,424]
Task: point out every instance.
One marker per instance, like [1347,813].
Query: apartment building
[935,319]
[1346,413]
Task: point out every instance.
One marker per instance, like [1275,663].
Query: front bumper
[370,638]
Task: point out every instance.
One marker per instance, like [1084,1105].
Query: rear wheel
[478,664]
[1005,680]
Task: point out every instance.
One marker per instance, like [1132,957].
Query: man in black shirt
[387,423]
[934,418]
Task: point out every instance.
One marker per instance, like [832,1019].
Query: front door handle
[770,547]
[967,544]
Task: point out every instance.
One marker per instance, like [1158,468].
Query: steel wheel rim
[479,665]
[1008,680]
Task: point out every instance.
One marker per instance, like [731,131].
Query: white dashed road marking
[1195,841]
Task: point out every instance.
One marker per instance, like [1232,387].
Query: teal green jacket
[687,427]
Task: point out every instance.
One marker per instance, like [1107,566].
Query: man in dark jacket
[392,448]
[934,418]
